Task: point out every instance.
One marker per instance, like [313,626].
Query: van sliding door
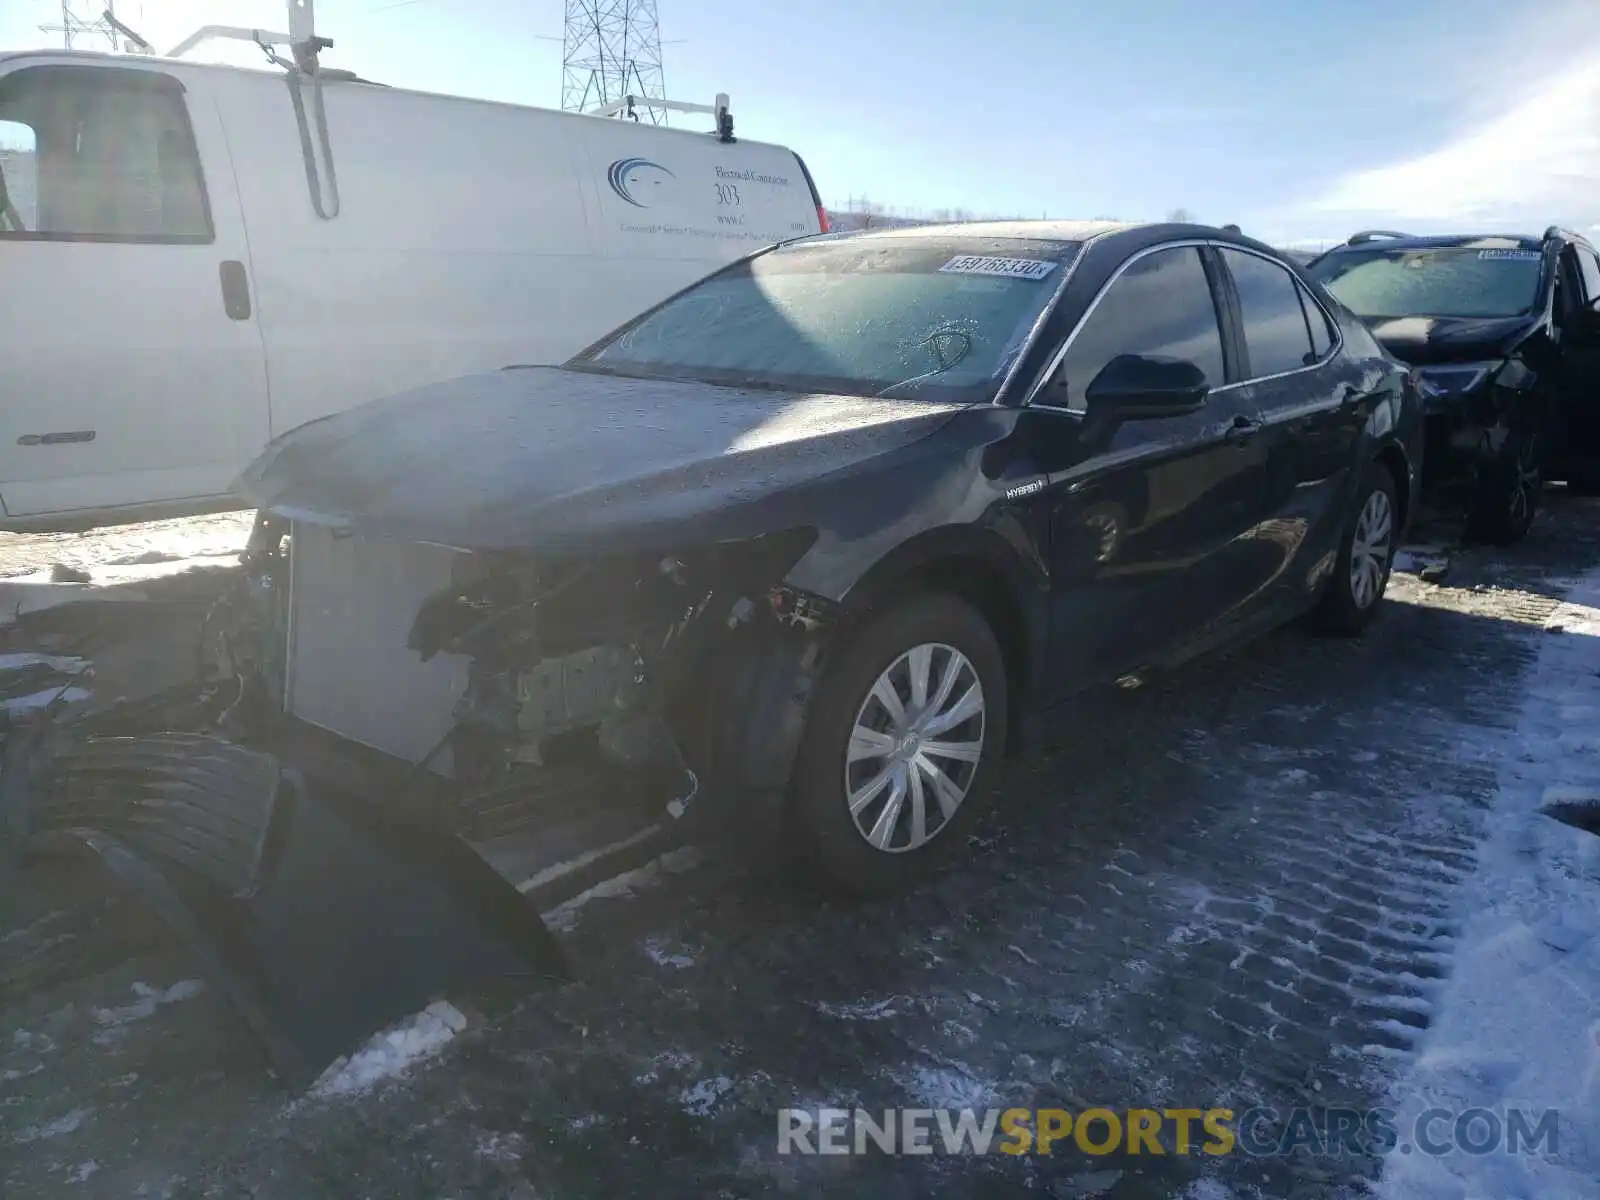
[132,371]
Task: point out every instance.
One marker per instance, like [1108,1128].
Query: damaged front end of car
[663,690]
[637,663]
[1470,410]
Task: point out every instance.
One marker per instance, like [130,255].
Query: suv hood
[1423,341]
[556,460]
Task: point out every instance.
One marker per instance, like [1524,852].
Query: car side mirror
[1138,387]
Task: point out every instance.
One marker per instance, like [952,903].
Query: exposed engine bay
[630,663]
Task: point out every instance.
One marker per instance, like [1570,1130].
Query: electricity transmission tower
[611,49]
[78,29]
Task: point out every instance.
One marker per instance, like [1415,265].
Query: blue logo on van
[638,180]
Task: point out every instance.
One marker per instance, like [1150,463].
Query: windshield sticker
[1011,268]
[1517,255]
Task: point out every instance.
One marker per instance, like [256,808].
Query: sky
[1301,122]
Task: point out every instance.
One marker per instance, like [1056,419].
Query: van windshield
[1446,281]
[935,318]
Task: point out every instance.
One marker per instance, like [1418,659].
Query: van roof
[184,66]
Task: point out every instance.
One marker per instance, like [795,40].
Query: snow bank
[1519,1018]
[102,584]
[393,1052]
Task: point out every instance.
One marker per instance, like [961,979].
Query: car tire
[932,633]
[1507,497]
[1354,591]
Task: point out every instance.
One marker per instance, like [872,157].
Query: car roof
[1444,241]
[1137,234]
[1044,231]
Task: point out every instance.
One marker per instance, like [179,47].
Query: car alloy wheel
[1526,482]
[915,748]
[1370,547]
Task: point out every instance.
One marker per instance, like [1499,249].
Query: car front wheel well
[1393,460]
[986,587]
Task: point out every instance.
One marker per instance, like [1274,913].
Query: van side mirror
[1135,387]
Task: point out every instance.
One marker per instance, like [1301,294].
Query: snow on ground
[62,664]
[393,1052]
[148,1000]
[565,916]
[1518,1022]
[46,570]
[115,547]
[33,701]
[42,589]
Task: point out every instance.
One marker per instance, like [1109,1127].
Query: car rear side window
[1321,327]
[1160,306]
[1277,335]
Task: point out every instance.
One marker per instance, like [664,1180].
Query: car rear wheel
[1507,498]
[1366,557]
[902,745]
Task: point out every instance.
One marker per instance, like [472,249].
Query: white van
[193,260]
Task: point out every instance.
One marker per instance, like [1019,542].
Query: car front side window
[1160,306]
[1589,267]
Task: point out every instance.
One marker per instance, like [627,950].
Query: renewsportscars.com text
[1260,1132]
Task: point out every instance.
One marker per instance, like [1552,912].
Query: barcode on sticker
[1518,255]
[1011,268]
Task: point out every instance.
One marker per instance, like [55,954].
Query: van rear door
[132,367]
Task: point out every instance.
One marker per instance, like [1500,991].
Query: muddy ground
[1232,886]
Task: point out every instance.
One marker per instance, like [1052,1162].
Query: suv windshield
[937,318]
[1447,281]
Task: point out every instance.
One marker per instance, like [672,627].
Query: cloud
[1537,162]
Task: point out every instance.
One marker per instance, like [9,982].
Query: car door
[1149,515]
[1573,449]
[1313,405]
[133,370]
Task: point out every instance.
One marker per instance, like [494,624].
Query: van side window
[92,154]
[18,210]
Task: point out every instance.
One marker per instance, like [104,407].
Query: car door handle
[1242,430]
[235,290]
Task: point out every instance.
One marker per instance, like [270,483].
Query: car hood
[1422,341]
[558,460]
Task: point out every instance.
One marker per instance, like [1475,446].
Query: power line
[611,49]
[77,28]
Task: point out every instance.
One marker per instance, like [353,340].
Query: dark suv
[1504,337]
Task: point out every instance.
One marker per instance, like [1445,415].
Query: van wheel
[900,753]
[1507,497]
[1366,556]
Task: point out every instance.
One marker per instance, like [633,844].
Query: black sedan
[818,530]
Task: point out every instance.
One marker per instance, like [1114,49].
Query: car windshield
[1451,281]
[936,318]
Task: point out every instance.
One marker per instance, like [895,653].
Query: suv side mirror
[1134,387]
